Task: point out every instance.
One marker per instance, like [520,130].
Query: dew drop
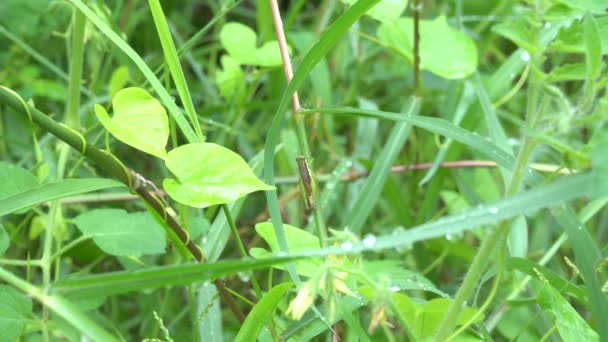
[395,288]
[493,210]
[369,241]
[525,56]
[547,25]
[204,240]
[449,237]
[347,245]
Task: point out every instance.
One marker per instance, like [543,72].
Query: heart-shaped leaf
[240,42]
[443,50]
[139,121]
[209,174]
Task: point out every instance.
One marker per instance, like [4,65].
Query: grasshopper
[307,183]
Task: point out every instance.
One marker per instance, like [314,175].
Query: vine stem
[135,182]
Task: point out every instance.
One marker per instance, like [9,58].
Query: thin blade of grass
[155,277]
[550,195]
[434,125]
[466,99]
[172,60]
[588,256]
[374,184]
[52,191]
[262,313]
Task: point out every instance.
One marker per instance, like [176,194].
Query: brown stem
[416,8]
[278,26]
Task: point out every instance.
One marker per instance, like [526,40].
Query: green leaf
[240,42]
[385,10]
[570,325]
[209,174]
[593,6]
[444,51]
[262,313]
[297,240]
[424,319]
[568,72]
[15,310]
[117,232]
[156,84]
[4,240]
[20,180]
[593,46]
[571,38]
[139,121]
[230,79]
[518,31]
[50,191]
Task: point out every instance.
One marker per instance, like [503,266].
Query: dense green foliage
[443,175]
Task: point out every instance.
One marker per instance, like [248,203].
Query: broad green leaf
[50,191]
[297,240]
[230,79]
[568,72]
[593,6]
[117,232]
[20,180]
[4,240]
[570,325]
[15,310]
[209,174]
[423,319]
[593,46]
[518,31]
[155,277]
[262,313]
[444,51]
[240,42]
[385,10]
[571,38]
[139,121]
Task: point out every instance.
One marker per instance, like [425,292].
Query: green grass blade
[312,57]
[466,98]
[553,194]
[172,60]
[155,277]
[261,313]
[588,257]
[52,191]
[374,184]
[434,125]
[143,67]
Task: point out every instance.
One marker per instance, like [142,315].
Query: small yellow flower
[302,302]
